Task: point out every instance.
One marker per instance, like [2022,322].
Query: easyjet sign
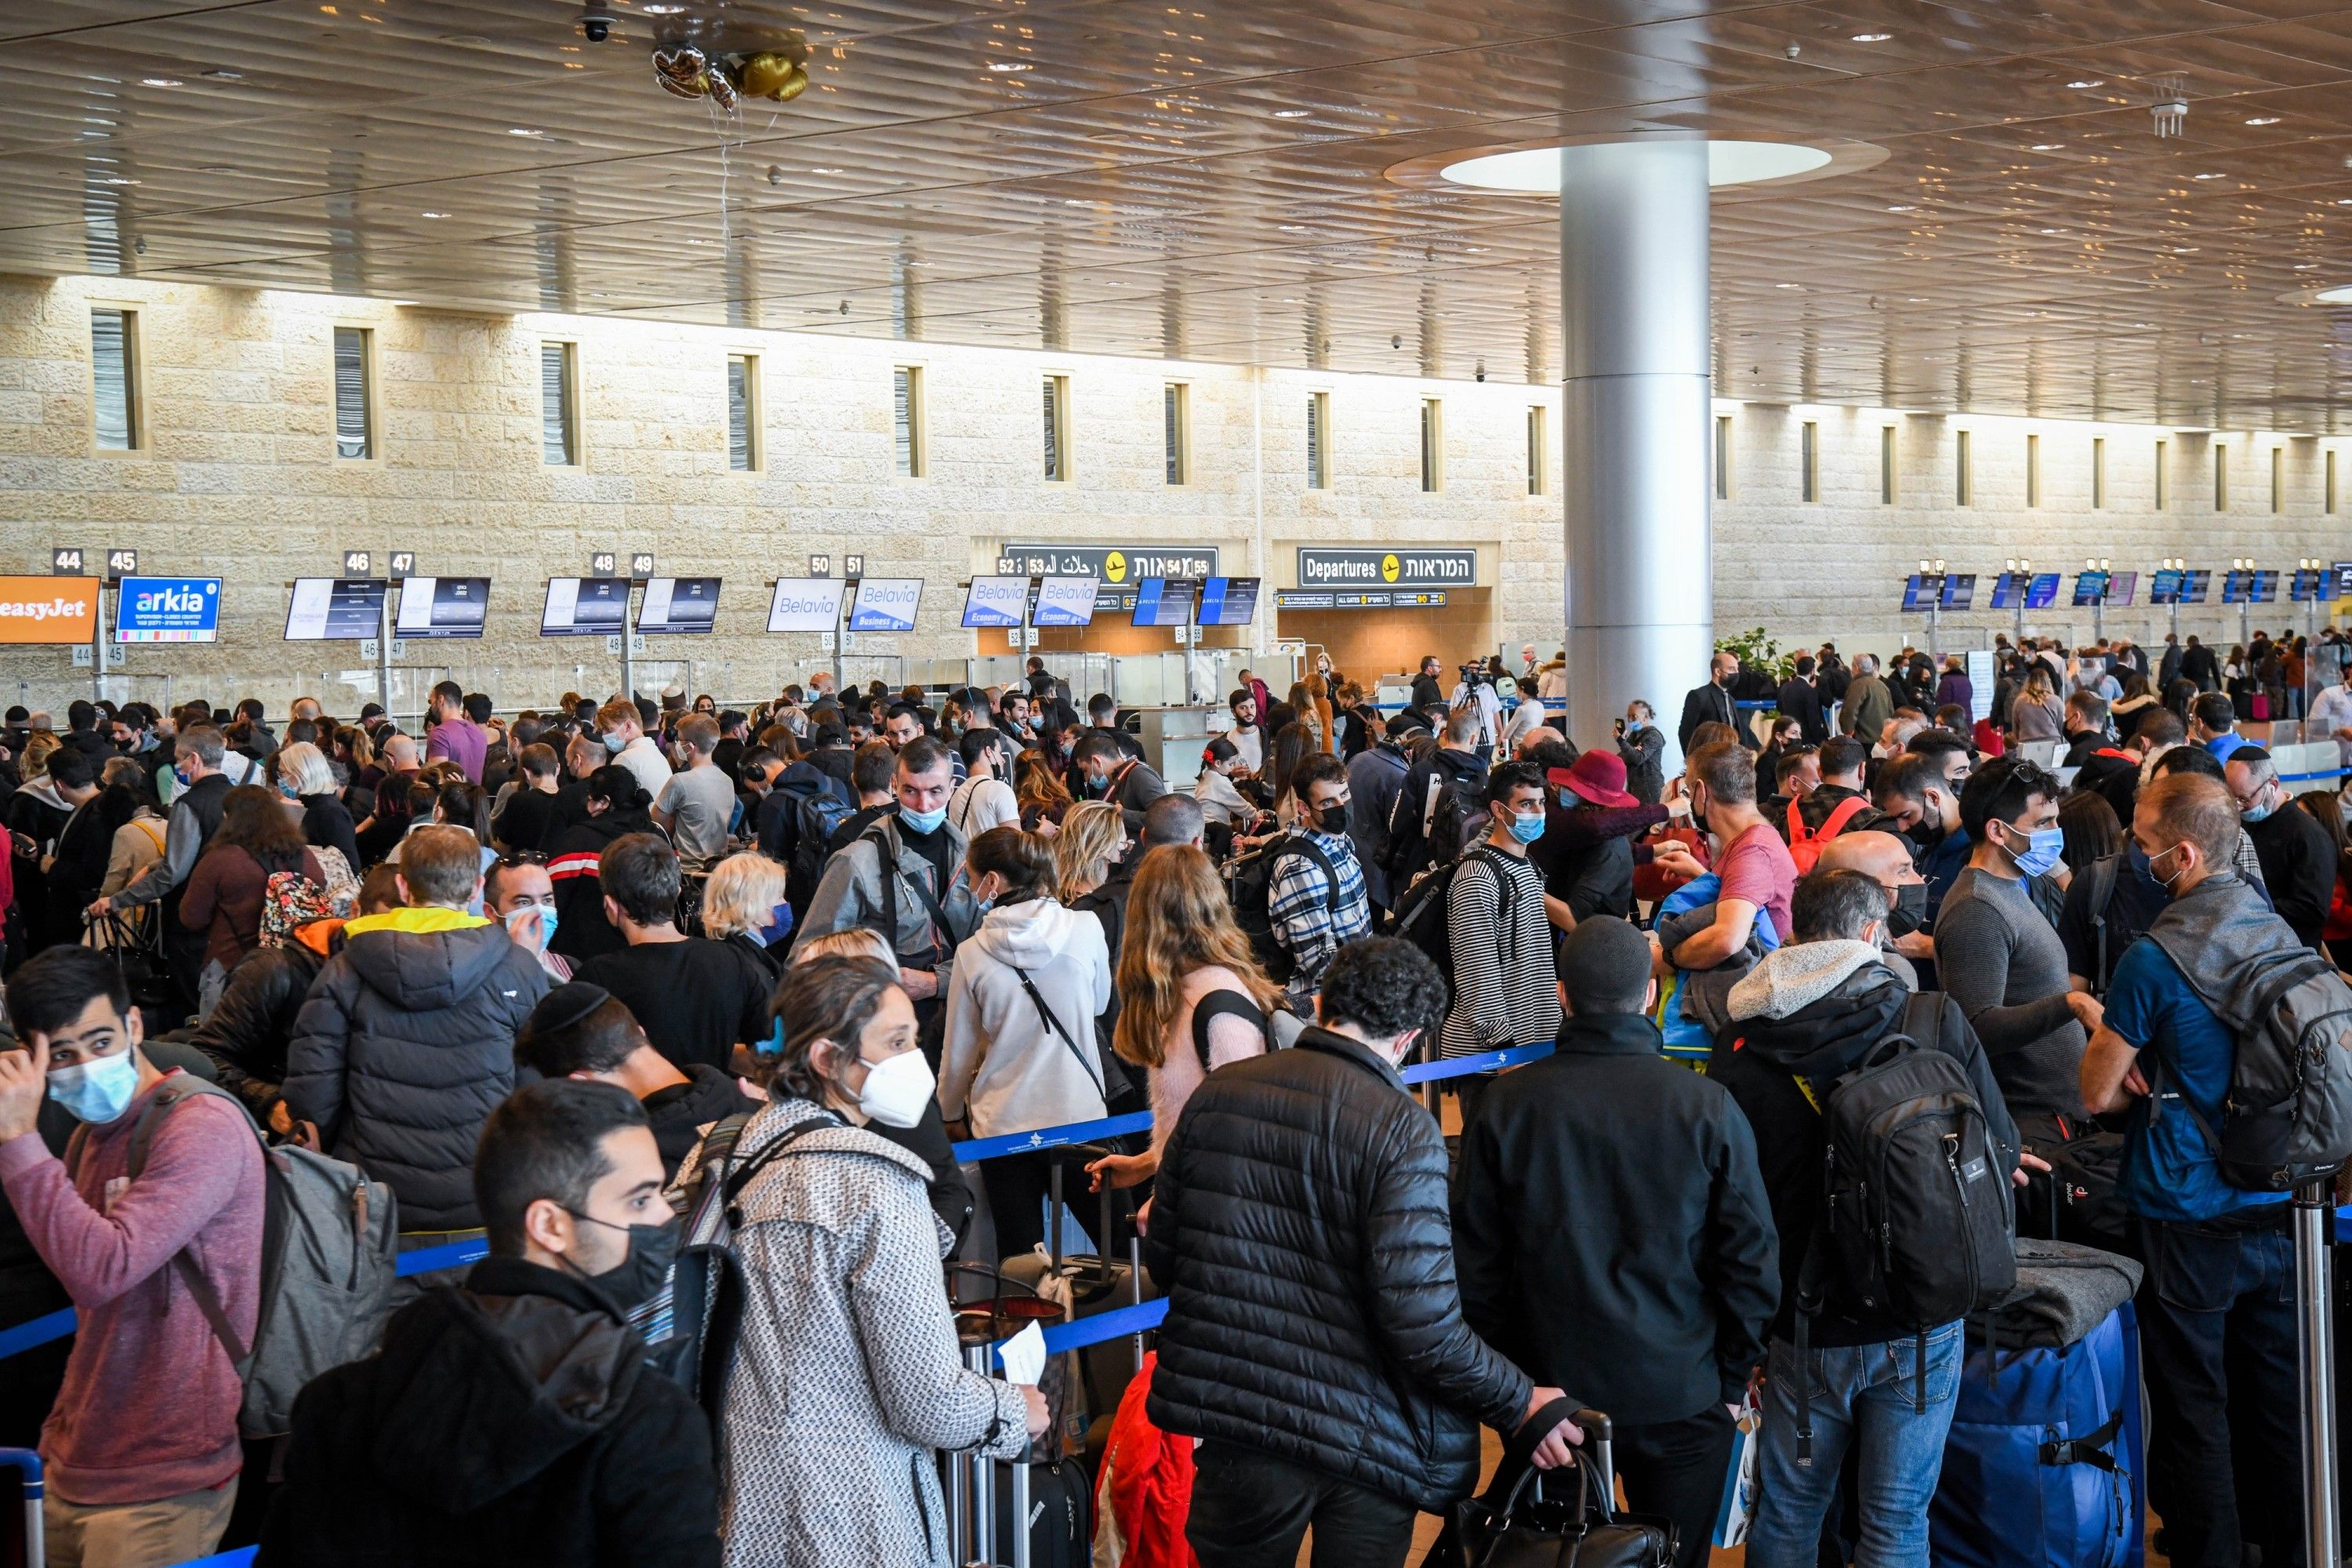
[47,609]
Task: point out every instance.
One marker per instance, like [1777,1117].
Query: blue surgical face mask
[1633,725]
[286,787]
[544,913]
[98,1091]
[923,821]
[2044,848]
[1527,828]
[181,773]
[779,926]
[613,743]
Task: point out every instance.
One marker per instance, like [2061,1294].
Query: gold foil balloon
[794,85]
[763,73]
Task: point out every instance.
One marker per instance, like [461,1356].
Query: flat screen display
[2164,586]
[2265,586]
[2234,585]
[2195,583]
[679,606]
[2121,587]
[2007,589]
[806,604]
[1228,600]
[1066,601]
[2043,591]
[1164,601]
[2090,588]
[995,602]
[168,609]
[1959,590]
[443,607]
[885,604]
[1919,591]
[2303,586]
[335,609]
[584,606]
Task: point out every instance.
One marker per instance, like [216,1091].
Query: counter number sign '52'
[1402,568]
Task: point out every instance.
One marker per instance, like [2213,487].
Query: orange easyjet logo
[47,609]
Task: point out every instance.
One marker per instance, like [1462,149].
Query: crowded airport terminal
[1073,783]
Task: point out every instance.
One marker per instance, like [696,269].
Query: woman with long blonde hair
[1192,996]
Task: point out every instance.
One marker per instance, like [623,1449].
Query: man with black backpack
[903,877]
[1437,797]
[1866,1346]
[2189,1044]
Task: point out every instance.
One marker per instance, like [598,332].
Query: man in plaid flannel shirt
[1308,922]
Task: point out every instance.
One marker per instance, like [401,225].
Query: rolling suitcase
[1085,1383]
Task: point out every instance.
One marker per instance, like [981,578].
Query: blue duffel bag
[2044,1466]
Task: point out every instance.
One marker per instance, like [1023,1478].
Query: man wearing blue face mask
[1505,991]
[903,878]
[2001,961]
[141,1450]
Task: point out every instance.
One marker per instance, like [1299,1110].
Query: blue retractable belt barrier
[1051,1137]
[1485,1061]
[426,1260]
[1116,1324]
[236,1559]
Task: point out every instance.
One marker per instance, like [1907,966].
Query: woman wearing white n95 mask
[847,1381]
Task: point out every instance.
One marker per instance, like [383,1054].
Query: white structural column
[1634,417]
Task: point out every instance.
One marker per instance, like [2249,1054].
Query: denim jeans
[1862,1396]
[2218,1338]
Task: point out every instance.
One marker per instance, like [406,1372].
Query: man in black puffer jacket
[1315,1339]
[406,1041]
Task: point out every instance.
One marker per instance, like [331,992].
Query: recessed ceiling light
[658,10]
[1292,228]
[2045,146]
[117,180]
[432,214]
[2208,177]
[1292,113]
[2078,85]
[2051,231]
[1005,68]
[1904,207]
[222,73]
[2306,266]
[2334,296]
[160,82]
[1535,171]
[2264,120]
[1788,285]
[1872,38]
[829,171]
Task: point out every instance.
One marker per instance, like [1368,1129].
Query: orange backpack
[1805,846]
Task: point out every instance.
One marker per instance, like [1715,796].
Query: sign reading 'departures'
[1121,565]
[1321,566]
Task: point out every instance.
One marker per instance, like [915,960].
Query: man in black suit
[1712,703]
[1799,699]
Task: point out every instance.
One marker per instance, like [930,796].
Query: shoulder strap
[154,835]
[1798,832]
[1298,843]
[174,1093]
[1055,1025]
[1225,1003]
[1923,1019]
[887,850]
[1846,812]
[737,1180]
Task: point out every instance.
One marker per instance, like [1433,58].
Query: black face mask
[1924,836]
[1332,819]
[638,1277]
[1910,911]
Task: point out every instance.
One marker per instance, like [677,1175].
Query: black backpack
[2288,1119]
[1446,828]
[815,819]
[1917,1220]
[1249,883]
[1421,910]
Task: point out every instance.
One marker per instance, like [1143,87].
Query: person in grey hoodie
[1021,1050]
[1805,1014]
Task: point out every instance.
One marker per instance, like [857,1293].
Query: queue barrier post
[27,1463]
[2316,1356]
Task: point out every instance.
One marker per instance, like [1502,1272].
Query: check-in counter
[1173,737]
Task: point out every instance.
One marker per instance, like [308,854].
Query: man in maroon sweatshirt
[142,1448]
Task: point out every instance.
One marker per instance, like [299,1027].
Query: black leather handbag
[1512,1524]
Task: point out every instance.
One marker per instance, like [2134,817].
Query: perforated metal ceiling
[1207,179]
